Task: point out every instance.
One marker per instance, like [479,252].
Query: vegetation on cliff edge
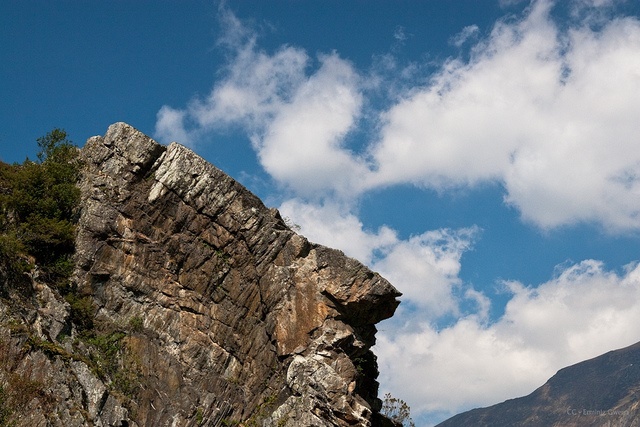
[38,211]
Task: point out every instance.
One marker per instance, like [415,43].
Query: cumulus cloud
[426,268]
[296,120]
[583,312]
[256,86]
[170,126]
[302,145]
[548,114]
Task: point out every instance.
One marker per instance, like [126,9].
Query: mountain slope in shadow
[603,391]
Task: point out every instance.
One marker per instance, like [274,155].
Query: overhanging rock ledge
[242,319]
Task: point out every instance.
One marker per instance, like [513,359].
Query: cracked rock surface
[238,318]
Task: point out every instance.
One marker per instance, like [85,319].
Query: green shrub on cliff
[38,210]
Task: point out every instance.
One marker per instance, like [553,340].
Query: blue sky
[483,156]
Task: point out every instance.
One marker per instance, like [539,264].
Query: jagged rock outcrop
[600,392]
[211,311]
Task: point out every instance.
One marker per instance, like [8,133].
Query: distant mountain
[603,391]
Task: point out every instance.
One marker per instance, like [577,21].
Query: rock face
[604,391]
[212,311]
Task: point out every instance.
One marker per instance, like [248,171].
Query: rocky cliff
[600,392]
[192,305]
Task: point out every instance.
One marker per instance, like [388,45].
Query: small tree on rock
[397,410]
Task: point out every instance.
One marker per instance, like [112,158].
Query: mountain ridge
[602,391]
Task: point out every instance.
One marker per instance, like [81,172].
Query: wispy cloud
[253,88]
[400,34]
[467,33]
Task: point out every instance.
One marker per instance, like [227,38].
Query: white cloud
[583,312]
[399,34]
[297,121]
[302,145]
[334,225]
[463,36]
[424,268]
[170,126]
[582,4]
[551,115]
[255,89]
